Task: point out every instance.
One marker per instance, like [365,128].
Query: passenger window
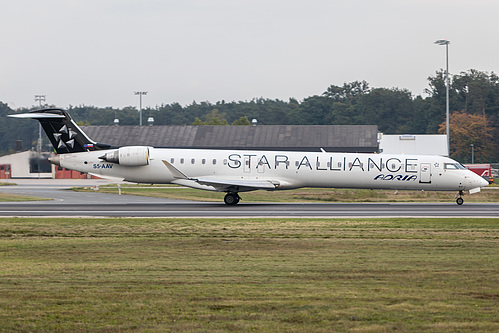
[193,161]
[203,161]
[181,161]
[214,161]
[172,160]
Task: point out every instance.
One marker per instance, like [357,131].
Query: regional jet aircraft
[234,171]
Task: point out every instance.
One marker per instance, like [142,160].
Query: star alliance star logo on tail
[63,142]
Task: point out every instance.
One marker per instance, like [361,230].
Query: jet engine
[128,156]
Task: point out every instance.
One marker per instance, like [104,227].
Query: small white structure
[418,144]
[26,164]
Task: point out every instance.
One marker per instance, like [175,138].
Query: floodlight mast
[140,93]
[446,43]
[40,99]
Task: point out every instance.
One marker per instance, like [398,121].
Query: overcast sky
[98,52]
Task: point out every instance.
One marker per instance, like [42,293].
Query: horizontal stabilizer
[36,115]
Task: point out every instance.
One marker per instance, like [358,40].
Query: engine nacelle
[129,156]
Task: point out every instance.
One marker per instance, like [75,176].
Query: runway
[67,203]
[307,210]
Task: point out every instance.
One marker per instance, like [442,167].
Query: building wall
[420,144]
[20,165]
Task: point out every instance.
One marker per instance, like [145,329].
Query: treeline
[474,94]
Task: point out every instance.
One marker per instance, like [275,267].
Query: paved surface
[69,203]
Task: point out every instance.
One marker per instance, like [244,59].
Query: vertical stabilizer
[64,134]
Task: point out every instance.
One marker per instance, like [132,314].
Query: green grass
[301,195]
[6,197]
[264,275]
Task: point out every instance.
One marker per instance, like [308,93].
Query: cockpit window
[451,166]
[462,167]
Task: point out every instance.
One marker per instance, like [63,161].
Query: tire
[459,201]
[231,199]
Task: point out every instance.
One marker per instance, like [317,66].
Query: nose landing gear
[460,200]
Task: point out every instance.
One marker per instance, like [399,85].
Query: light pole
[446,43]
[140,93]
[472,154]
[39,99]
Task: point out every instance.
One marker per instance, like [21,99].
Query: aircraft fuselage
[286,170]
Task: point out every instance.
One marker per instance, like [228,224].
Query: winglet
[176,172]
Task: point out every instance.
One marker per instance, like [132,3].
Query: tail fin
[62,131]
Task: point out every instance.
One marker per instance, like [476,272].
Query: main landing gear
[231,198]
[460,200]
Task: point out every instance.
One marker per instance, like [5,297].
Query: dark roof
[345,138]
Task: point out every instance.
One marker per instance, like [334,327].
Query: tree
[213,118]
[467,129]
[243,121]
[390,109]
[12,129]
[435,110]
[348,92]
[477,90]
[198,122]
[340,105]
[314,110]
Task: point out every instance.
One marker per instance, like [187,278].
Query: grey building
[332,138]
[419,144]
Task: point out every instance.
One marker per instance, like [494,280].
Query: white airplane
[234,171]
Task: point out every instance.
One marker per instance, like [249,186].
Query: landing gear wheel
[231,199]
[459,201]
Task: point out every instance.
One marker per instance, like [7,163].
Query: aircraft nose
[483,182]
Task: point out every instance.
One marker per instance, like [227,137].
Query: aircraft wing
[245,184]
[221,184]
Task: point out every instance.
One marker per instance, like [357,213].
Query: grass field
[301,195]
[4,197]
[265,275]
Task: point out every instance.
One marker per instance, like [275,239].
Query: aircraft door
[425,173]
